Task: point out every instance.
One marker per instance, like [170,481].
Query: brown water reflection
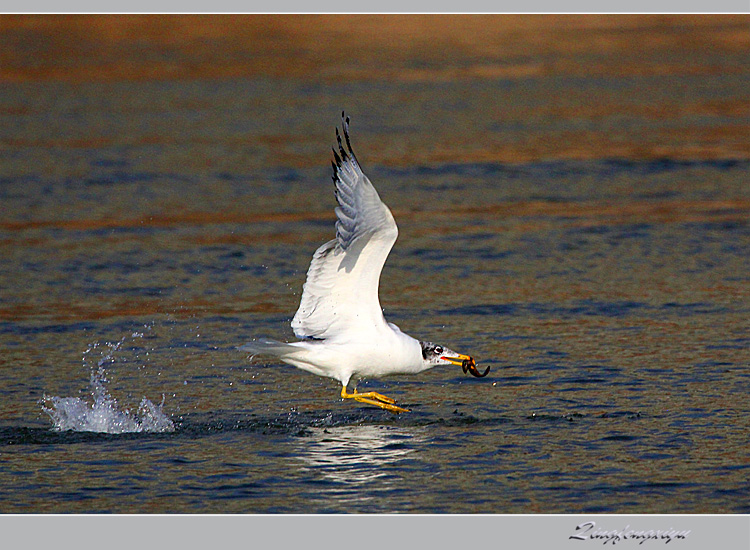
[517,217]
[426,50]
[321,46]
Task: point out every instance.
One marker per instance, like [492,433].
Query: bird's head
[435,354]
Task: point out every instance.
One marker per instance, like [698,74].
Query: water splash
[104,415]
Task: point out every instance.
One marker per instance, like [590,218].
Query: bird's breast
[388,353]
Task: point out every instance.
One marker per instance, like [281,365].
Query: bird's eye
[438,350]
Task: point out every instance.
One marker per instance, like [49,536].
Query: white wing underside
[340,296]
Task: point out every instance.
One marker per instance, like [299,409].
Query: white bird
[343,333]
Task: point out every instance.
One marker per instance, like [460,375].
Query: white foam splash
[104,416]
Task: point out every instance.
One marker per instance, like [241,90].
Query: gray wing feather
[341,290]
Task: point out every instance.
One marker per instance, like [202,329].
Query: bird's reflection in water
[358,455]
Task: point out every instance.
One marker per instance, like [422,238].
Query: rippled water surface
[584,235]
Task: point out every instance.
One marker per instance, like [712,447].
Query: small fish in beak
[467,365]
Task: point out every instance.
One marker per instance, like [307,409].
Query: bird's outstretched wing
[341,291]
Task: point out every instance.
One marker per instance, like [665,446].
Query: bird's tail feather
[267,346]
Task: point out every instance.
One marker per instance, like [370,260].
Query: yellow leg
[375,395]
[373,398]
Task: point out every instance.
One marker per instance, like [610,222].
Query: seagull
[341,328]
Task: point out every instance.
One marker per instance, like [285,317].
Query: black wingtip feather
[346,136]
[342,155]
[335,171]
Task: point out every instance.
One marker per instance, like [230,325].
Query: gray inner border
[375,531]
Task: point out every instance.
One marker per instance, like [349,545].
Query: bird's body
[386,350]
[343,332]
